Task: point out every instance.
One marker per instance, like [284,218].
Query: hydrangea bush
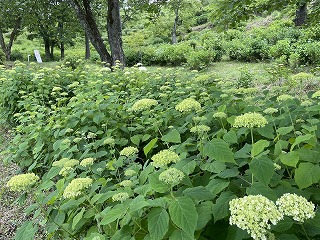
[130,154]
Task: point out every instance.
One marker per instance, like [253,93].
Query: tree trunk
[52,43]
[47,49]
[301,15]
[115,32]
[86,17]
[61,38]
[15,32]
[87,43]
[62,51]
[175,24]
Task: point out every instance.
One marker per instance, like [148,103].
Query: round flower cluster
[200,129]
[22,182]
[200,119]
[121,197]
[87,162]
[164,157]
[276,166]
[71,163]
[129,151]
[284,97]
[143,104]
[220,115]
[109,141]
[250,120]
[254,214]
[188,105]
[129,172]
[296,207]
[316,94]
[126,183]
[76,186]
[270,111]
[60,163]
[65,171]
[306,103]
[171,176]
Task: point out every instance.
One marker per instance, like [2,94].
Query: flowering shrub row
[162,154]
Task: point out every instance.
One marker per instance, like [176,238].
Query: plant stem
[304,231]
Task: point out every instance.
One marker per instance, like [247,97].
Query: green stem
[304,231]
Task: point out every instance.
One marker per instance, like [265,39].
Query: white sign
[37,55]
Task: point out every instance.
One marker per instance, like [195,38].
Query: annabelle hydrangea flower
[255,214]
[76,186]
[22,182]
[164,157]
[87,162]
[109,141]
[121,197]
[200,129]
[129,151]
[171,176]
[250,120]
[130,172]
[270,111]
[316,94]
[65,171]
[220,115]
[126,183]
[143,104]
[296,207]
[188,105]
[284,97]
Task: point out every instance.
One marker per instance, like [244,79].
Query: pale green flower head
[130,172]
[120,197]
[200,119]
[255,214]
[126,183]
[56,89]
[171,176]
[284,97]
[200,129]
[129,151]
[87,162]
[250,120]
[22,182]
[270,111]
[188,105]
[164,157]
[143,104]
[220,115]
[316,94]
[109,141]
[296,207]
[76,186]
[77,140]
[306,103]
[65,171]
[276,166]
[71,163]
[60,163]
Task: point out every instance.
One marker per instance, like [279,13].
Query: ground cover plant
[162,154]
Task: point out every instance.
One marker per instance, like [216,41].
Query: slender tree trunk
[175,24]
[52,43]
[47,49]
[62,50]
[15,32]
[115,32]
[301,14]
[87,43]
[86,17]
[61,38]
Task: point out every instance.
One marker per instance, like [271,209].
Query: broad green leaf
[267,131]
[199,193]
[283,225]
[214,166]
[59,218]
[220,209]
[205,214]
[262,169]
[290,159]
[136,139]
[158,223]
[301,139]
[244,152]
[258,147]
[228,173]
[307,174]
[219,150]
[187,165]
[230,137]
[285,130]
[173,136]
[181,235]
[138,203]
[158,185]
[145,173]
[98,117]
[216,185]
[262,189]
[149,146]
[288,237]
[113,214]
[123,234]
[77,218]
[183,213]
[26,232]
[235,233]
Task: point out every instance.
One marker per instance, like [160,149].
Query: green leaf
[283,225]
[262,189]
[219,150]
[186,165]
[217,185]
[288,237]
[183,213]
[301,139]
[262,169]
[230,137]
[220,209]
[77,218]
[307,174]
[113,214]
[123,234]
[199,193]
[158,223]
[138,203]
[173,137]
[181,235]
[205,214]
[285,130]
[98,117]
[214,167]
[258,147]
[158,185]
[26,232]
[228,173]
[290,159]
[149,146]
[266,131]
[136,139]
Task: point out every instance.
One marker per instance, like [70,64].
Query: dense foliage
[159,154]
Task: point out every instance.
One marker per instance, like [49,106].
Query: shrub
[281,48]
[17,56]
[245,80]
[201,59]
[2,57]
[173,55]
